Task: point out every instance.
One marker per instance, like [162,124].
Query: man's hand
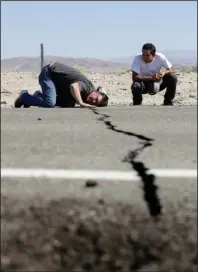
[85,105]
[157,76]
[162,73]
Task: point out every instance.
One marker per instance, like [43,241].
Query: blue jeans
[48,97]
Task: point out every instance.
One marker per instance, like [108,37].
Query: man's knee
[49,103]
[171,78]
[136,87]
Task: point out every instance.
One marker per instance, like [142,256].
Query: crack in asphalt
[148,180]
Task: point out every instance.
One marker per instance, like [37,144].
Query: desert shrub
[79,68]
[188,69]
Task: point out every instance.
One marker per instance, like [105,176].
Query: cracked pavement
[114,138]
[149,187]
[75,138]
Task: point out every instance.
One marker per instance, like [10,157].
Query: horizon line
[98,58]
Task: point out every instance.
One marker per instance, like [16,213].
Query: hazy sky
[96,29]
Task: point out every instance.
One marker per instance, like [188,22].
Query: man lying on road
[63,86]
[148,76]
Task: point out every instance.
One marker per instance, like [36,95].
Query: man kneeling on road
[63,86]
[148,76]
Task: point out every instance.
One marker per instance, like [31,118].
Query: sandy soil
[116,85]
[74,236]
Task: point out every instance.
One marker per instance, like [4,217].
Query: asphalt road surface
[151,137]
[74,138]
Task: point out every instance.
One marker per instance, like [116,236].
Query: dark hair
[150,47]
[104,100]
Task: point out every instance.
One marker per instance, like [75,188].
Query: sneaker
[168,102]
[18,103]
[37,93]
[136,103]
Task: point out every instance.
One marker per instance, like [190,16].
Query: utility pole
[42,56]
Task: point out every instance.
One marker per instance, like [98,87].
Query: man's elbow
[134,75]
[74,85]
[135,78]
[172,69]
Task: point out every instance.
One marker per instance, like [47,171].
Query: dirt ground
[76,236]
[116,85]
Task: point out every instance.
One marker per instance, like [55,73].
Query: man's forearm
[172,70]
[142,78]
[75,91]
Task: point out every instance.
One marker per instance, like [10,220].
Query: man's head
[97,98]
[148,52]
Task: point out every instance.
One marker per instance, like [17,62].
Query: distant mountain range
[179,57]
[32,64]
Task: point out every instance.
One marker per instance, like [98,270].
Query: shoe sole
[17,101]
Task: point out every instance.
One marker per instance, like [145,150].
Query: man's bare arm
[169,71]
[75,91]
[137,77]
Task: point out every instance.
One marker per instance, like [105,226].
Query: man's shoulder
[62,68]
[160,56]
[60,65]
[138,57]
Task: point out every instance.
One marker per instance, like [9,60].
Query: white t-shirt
[148,69]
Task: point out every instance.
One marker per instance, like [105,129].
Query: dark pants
[46,99]
[169,81]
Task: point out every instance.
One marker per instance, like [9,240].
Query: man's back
[63,76]
[61,72]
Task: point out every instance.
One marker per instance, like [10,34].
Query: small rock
[101,201]
[56,243]
[45,249]
[39,119]
[91,183]
[5,261]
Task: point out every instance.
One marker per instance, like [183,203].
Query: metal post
[42,56]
